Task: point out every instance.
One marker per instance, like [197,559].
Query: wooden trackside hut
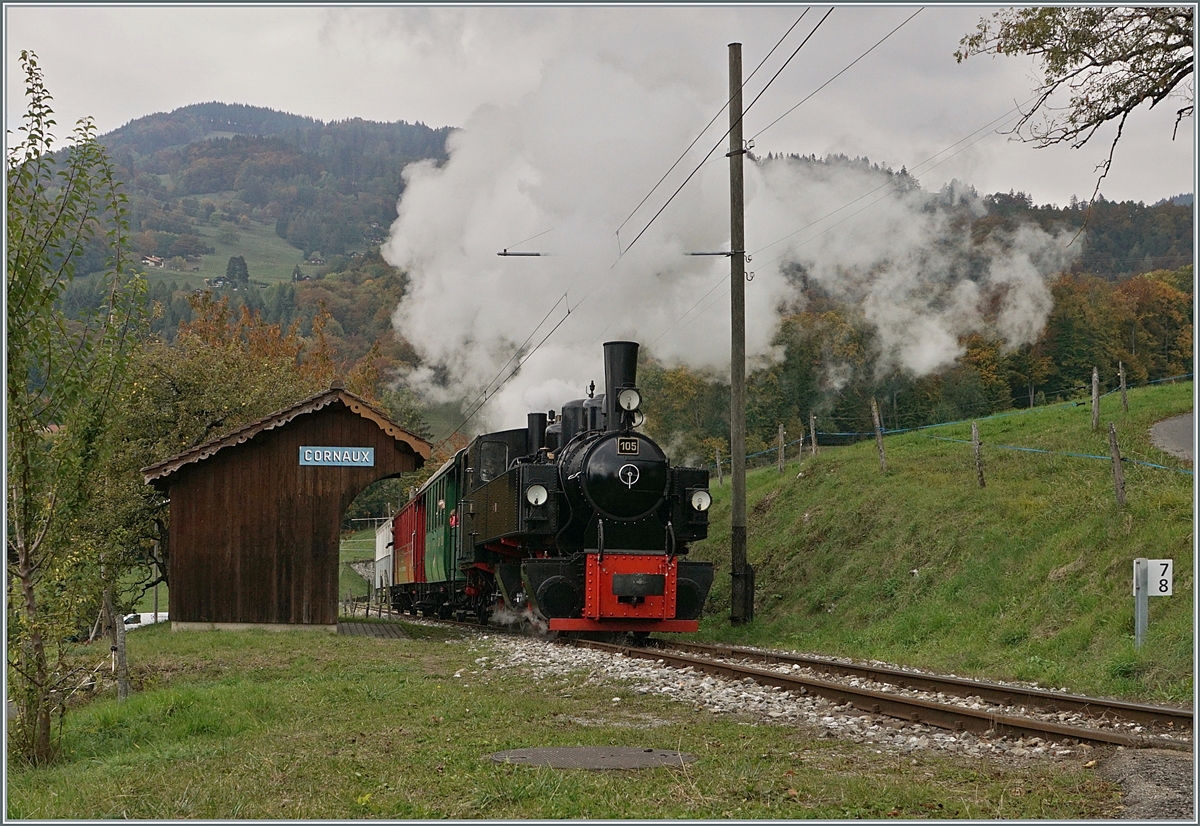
[256,514]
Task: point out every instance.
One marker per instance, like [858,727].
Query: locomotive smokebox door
[624,477]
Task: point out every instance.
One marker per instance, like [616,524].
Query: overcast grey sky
[569,115]
[440,65]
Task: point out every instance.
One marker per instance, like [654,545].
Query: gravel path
[1176,436]
[1156,784]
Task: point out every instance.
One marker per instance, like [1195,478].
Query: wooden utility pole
[878,435]
[812,428]
[1095,397]
[978,446]
[1124,397]
[1118,472]
[741,602]
[782,459]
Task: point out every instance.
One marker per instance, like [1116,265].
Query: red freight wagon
[408,557]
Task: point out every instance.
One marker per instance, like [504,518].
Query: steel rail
[1006,695]
[909,709]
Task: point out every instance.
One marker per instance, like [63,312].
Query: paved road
[1176,436]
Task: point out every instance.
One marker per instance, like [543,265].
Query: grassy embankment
[1027,578]
[355,547]
[292,725]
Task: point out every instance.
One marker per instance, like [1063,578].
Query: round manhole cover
[593,757]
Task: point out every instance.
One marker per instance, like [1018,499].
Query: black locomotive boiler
[578,520]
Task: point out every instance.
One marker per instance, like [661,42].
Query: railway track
[949,703]
[922,698]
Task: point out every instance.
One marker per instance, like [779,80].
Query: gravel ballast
[1155,783]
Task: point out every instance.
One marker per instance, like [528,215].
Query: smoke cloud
[565,164]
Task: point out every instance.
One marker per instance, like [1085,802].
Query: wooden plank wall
[254,534]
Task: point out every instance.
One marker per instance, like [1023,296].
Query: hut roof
[156,474]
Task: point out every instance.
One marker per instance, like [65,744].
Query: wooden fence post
[1095,398]
[1118,473]
[1124,398]
[978,446]
[878,435]
[720,475]
[812,424]
[781,457]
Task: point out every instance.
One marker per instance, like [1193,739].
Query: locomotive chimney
[537,432]
[620,371]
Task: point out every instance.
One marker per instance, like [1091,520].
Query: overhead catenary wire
[488,390]
[720,142]
[705,129]
[835,77]
[891,183]
[506,251]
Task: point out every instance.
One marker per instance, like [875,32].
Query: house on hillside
[152,261]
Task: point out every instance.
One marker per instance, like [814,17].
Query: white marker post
[1151,577]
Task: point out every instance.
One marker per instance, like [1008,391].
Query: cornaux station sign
[337,456]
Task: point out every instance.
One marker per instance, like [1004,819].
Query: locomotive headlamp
[629,399]
[701,499]
[536,495]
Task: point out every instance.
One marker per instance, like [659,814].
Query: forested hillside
[284,215]
[326,188]
[830,369]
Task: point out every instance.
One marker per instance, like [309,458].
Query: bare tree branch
[1107,60]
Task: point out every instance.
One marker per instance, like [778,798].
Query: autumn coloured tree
[1108,60]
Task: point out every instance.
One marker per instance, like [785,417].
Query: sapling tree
[63,371]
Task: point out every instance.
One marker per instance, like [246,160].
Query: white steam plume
[571,159]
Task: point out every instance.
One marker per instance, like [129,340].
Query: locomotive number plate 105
[627,446]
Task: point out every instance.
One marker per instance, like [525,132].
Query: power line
[705,129]
[721,140]
[506,252]
[718,283]
[721,278]
[835,77]
[488,390]
[892,182]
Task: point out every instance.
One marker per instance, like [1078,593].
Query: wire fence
[764,458]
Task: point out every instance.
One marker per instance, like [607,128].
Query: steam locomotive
[577,523]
